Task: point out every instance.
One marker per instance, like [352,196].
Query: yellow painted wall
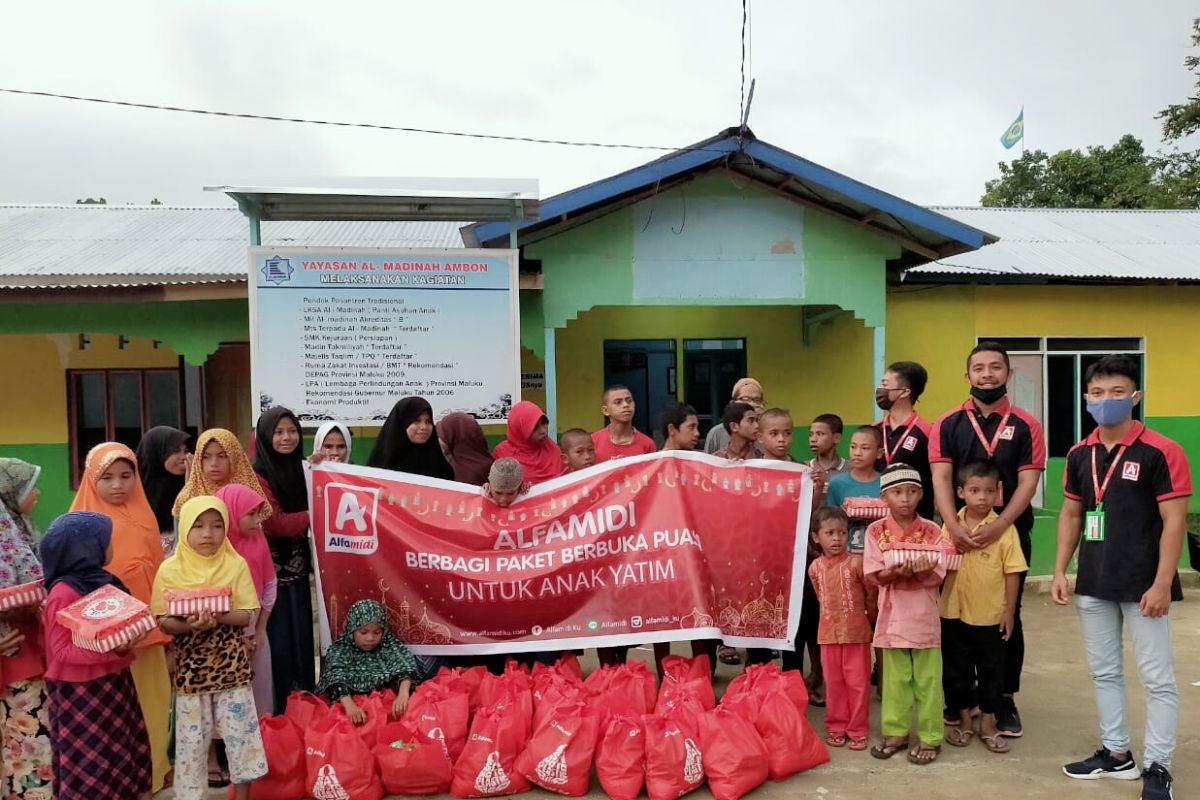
[33,405]
[938,326]
[833,374]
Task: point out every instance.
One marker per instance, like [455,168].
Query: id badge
[1093,525]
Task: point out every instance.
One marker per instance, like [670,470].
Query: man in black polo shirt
[1126,492]
[990,428]
[905,434]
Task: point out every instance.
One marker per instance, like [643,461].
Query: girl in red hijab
[530,444]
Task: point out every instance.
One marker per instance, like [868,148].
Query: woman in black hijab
[279,463]
[408,442]
[162,457]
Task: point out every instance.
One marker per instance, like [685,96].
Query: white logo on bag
[491,778]
[693,764]
[553,768]
[439,736]
[327,786]
[350,514]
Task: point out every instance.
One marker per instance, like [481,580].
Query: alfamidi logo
[350,519]
[327,786]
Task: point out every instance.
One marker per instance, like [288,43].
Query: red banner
[668,546]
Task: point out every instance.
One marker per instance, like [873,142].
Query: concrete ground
[1057,707]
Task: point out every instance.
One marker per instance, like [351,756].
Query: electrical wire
[742,103]
[343,124]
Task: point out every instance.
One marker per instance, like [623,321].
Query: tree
[1120,176]
[90,201]
[1180,169]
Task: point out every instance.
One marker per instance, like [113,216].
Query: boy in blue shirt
[866,448]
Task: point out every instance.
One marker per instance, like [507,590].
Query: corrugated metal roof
[1095,244]
[62,246]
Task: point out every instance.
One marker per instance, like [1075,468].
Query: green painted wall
[193,328]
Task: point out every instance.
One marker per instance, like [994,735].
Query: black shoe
[1156,783]
[1103,765]
[1008,721]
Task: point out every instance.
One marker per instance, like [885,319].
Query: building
[728,258]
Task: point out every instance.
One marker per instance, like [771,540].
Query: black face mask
[989,396]
[883,399]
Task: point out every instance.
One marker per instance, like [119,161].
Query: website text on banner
[662,547]
[341,333]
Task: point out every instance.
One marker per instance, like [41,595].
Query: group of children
[95,725]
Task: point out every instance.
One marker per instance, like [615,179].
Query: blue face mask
[1111,411]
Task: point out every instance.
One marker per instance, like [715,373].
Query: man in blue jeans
[1126,492]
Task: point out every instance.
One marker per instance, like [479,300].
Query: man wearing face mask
[1126,492]
[905,434]
[988,427]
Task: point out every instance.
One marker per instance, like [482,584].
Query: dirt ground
[1056,705]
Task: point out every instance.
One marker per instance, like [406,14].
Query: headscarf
[17,480]
[541,461]
[240,470]
[395,451]
[18,544]
[283,473]
[328,428]
[137,549]
[74,550]
[240,501]
[161,486]
[187,569]
[468,449]
[349,670]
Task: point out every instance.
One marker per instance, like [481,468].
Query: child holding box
[213,675]
[100,747]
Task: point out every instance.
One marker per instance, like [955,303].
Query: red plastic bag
[283,744]
[689,675]
[792,744]
[627,688]
[338,763]
[304,709]
[378,710]
[767,678]
[410,763]
[512,694]
[441,714]
[559,754]
[674,765]
[463,680]
[553,694]
[487,766]
[621,758]
[735,757]
[678,703]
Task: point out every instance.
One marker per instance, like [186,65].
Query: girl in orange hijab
[111,486]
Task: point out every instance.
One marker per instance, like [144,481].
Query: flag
[1015,132]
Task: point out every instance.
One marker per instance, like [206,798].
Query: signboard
[343,333]
[663,547]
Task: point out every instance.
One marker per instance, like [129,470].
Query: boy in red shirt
[619,439]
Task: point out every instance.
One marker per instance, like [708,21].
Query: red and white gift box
[22,595]
[909,552]
[106,619]
[861,508]
[185,602]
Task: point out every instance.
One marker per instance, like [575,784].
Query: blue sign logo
[277,270]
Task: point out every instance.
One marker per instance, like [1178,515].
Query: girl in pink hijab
[246,535]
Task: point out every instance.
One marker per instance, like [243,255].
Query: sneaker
[1103,765]
[1156,783]
[1008,720]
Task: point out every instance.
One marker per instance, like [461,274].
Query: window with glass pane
[91,414]
[162,396]
[125,394]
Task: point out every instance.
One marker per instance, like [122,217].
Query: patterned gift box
[22,595]
[106,619]
[185,602]
[864,508]
[907,553]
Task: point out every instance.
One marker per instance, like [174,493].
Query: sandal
[959,737]
[836,740]
[995,743]
[924,754]
[887,749]
[817,700]
[858,744]
[729,655]
[216,779]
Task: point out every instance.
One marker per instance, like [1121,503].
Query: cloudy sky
[908,96]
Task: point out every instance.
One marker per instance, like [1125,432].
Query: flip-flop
[886,749]
[836,740]
[914,758]
[216,779]
[858,744]
[729,655]
[995,743]
[958,737]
